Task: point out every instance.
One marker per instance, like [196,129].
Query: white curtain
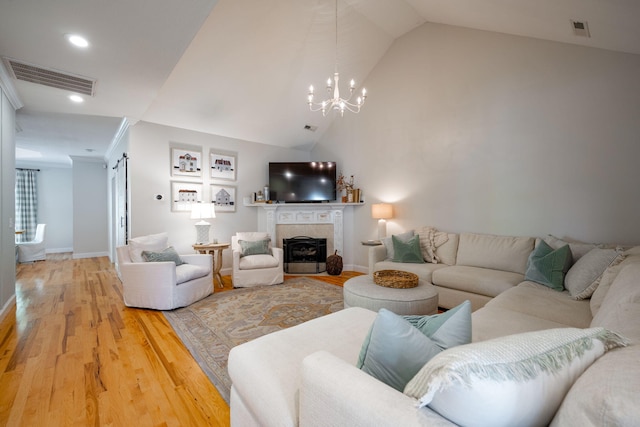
[26,203]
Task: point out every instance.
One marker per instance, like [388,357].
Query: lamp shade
[382,211]
[202,211]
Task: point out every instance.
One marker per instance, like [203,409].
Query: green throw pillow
[407,252]
[166,255]
[397,347]
[547,266]
[254,247]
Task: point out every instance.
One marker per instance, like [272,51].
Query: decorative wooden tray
[395,279]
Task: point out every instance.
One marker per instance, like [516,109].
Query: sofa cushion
[408,251]
[605,394]
[257,262]
[540,301]
[620,308]
[388,242]
[499,382]
[584,276]
[398,346]
[548,266]
[167,255]
[609,275]
[186,272]
[152,242]
[495,252]
[447,253]
[476,280]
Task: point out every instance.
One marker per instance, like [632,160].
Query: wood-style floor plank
[71,354]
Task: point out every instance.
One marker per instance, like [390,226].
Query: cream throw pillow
[153,243]
[430,240]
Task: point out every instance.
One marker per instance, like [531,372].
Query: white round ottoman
[361,291]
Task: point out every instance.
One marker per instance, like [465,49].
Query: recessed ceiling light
[77,40]
[76,98]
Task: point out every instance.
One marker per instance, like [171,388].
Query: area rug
[210,327]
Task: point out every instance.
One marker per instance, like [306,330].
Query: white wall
[149,169]
[476,131]
[7,203]
[90,209]
[55,207]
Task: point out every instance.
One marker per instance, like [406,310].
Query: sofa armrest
[336,393]
[376,254]
[278,254]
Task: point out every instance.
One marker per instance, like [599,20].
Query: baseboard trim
[8,307]
[90,255]
[58,250]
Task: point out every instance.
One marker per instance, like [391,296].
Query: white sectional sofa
[306,375]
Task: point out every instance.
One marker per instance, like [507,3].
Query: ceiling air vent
[52,78]
[580,28]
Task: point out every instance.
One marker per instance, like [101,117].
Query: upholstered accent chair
[152,279]
[35,249]
[255,261]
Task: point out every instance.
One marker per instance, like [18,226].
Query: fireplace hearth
[304,254]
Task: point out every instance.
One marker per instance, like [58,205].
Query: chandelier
[337,103]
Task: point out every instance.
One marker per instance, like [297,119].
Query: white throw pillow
[584,276]
[513,380]
[153,243]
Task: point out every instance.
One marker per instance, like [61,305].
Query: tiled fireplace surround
[284,221]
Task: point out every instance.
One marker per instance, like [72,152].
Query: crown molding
[8,88]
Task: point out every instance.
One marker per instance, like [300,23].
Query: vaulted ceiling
[239,68]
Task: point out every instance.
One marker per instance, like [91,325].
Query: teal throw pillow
[254,247]
[166,255]
[407,252]
[397,347]
[547,266]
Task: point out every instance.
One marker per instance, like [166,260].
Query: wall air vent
[580,28]
[49,77]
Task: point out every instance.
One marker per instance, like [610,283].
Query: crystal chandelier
[337,103]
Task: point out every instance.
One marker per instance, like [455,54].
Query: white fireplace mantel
[306,213]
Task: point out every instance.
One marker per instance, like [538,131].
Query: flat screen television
[302,182]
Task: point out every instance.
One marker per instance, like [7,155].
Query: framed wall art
[223,165]
[223,197]
[184,194]
[186,162]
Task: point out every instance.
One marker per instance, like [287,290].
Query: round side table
[215,249]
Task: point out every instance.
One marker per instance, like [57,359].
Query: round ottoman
[361,291]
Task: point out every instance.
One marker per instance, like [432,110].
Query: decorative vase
[334,264]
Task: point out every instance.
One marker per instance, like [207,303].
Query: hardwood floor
[71,354]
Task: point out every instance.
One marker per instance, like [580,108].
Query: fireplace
[304,254]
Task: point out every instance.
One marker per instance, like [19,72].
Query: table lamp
[382,212]
[202,211]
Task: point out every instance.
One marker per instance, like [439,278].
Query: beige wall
[7,203]
[476,131]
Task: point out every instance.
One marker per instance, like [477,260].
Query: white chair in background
[252,267]
[33,250]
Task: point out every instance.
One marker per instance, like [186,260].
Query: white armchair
[266,267]
[35,249]
[162,285]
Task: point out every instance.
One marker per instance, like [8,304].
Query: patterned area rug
[210,327]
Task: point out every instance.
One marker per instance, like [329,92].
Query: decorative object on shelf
[336,102]
[223,165]
[382,212]
[334,264]
[202,211]
[184,195]
[395,279]
[223,197]
[186,162]
[265,193]
[342,184]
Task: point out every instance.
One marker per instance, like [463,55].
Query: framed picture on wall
[223,197]
[223,165]
[184,194]
[186,162]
